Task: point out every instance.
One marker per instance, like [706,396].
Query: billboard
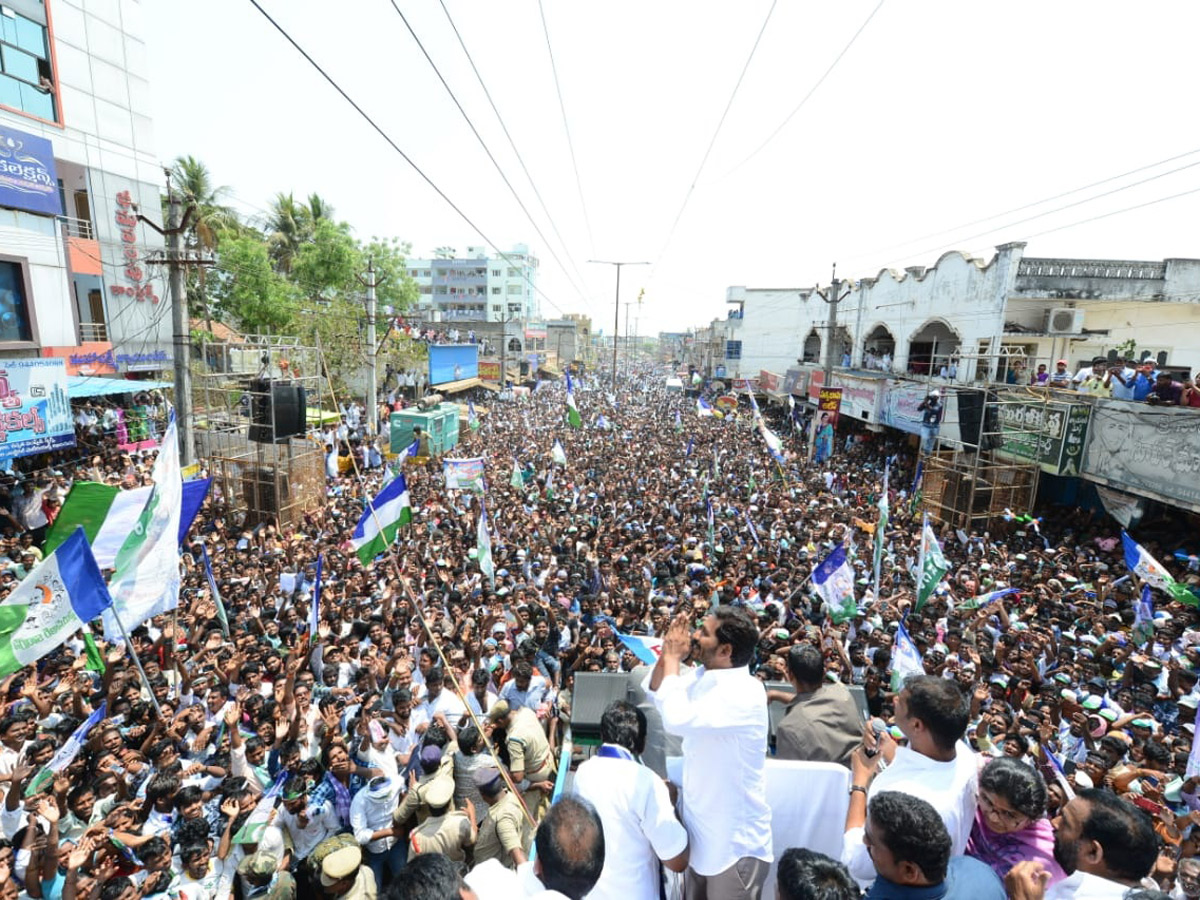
[861,397]
[28,179]
[35,412]
[452,362]
[829,401]
[489,370]
[1047,433]
[1153,451]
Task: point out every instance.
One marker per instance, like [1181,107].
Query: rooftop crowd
[412,744]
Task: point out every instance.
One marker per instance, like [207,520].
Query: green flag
[932,567]
[517,480]
[573,417]
[95,659]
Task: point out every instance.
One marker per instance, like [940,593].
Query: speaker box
[277,411]
[593,692]
[262,499]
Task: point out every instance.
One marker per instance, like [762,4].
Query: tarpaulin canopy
[453,387]
[102,386]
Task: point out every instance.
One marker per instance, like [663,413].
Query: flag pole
[137,662]
[877,544]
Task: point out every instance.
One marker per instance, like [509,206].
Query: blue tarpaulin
[103,385]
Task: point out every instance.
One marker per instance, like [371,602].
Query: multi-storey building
[477,287]
[77,169]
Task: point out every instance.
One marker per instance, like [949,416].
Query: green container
[440,424]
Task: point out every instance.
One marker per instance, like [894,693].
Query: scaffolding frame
[273,481]
[968,485]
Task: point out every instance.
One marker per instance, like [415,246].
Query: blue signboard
[452,362]
[35,414]
[27,177]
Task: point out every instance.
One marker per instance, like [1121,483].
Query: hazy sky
[941,114]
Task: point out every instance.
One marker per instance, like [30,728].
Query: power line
[1116,212]
[820,81]
[713,140]
[511,142]
[391,143]
[567,128]
[1025,206]
[1059,209]
[487,150]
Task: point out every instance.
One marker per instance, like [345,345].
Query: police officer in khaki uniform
[446,831]
[436,764]
[529,755]
[505,833]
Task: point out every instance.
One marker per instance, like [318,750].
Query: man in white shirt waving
[720,711]
[640,827]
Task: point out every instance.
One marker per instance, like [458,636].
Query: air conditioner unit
[1064,320]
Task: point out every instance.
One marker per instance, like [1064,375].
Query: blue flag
[688,451]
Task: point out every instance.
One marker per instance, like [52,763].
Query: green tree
[249,292]
[390,256]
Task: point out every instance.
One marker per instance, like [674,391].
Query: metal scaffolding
[966,484]
[259,473]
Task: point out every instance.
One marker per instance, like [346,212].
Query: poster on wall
[28,179]
[829,402]
[452,362]
[1148,450]
[35,412]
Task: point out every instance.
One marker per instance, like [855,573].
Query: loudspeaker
[593,692]
[977,420]
[277,410]
[262,500]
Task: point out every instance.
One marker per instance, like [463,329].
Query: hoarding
[28,179]
[861,397]
[1049,434]
[452,362]
[1148,450]
[489,370]
[35,412]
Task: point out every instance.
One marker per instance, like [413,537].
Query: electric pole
[180,331]
[181,337]
[833,297]
[372,351]
[616,308]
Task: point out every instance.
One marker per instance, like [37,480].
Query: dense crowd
[412,742]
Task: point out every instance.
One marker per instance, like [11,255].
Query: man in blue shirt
[910,847]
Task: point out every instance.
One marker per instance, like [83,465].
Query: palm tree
[208,218]
[289,225]
[318,209]
[194,183]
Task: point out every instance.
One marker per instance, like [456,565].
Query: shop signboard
[898,408]
[795,382]
[35,412]
[28,179]
[769,381]
[1049,434]
[861,397]
[489,370]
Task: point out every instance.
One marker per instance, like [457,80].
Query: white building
[477,287]
[978,320]
[76,167]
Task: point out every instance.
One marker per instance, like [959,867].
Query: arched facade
[932,347]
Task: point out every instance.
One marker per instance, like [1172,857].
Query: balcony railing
[93,331]
[80,228]
[1092,268]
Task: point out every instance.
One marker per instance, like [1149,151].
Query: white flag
[146,582]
